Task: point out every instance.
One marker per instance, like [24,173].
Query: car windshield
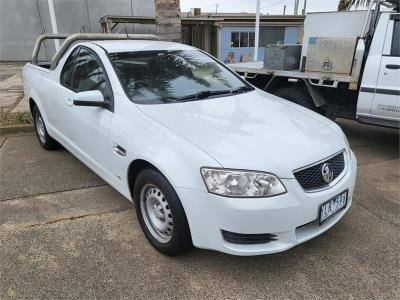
[174,76]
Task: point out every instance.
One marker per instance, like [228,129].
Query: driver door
[86,129]
[386,101]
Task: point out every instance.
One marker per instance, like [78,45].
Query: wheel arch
[135,167]
[34,101]
[277,83]
[138,165]
[32,105]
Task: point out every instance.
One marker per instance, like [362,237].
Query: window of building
[235,39]
[242,39]
[251,39]
[271,35]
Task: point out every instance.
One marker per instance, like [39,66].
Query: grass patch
[17,118]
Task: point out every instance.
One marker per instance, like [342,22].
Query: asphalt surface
[64,233]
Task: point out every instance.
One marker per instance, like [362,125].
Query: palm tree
[348,4]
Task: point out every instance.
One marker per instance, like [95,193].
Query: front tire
[160,214]
[45,140]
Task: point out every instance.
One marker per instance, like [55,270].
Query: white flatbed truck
[369,92]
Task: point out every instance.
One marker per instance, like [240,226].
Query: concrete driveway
[66,234]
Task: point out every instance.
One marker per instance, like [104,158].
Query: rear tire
[296,95]
[45,140]
[160,214]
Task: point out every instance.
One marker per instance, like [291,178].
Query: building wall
[291,34]
[227,52]
[21,21]
[268,35]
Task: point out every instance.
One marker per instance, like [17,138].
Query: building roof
[243,15]
[241,18]
[214,18]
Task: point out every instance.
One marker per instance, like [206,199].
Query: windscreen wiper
[207,93]
[203,95]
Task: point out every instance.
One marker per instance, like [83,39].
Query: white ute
[208,159]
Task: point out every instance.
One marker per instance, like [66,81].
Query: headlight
[238,183]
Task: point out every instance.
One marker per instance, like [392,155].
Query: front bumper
[291,217]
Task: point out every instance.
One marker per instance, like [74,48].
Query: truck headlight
[239,183]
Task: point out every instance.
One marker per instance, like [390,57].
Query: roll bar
[70,39]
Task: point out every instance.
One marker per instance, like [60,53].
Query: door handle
[393,67]
[119,150]
[69,101]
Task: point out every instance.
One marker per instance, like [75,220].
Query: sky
[267,6]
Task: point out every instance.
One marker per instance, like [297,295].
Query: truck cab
[379,95]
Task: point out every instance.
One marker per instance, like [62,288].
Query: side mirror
[90,98]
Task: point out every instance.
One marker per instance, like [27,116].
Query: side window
[89,74]
[395,49]
[66,73]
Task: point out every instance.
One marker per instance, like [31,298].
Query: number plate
[332,207]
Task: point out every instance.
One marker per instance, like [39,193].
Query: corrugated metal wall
[21,21]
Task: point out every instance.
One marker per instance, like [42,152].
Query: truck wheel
[296,95]
[45,140]
[160,214]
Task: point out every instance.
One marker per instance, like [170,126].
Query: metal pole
[304,8]
[284,10]
[367,18]
[257,31]
[53,23]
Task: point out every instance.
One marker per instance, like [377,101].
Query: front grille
[311,178]
[241,238]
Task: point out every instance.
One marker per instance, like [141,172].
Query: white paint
[252,130]
[257,31]
[53,22]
